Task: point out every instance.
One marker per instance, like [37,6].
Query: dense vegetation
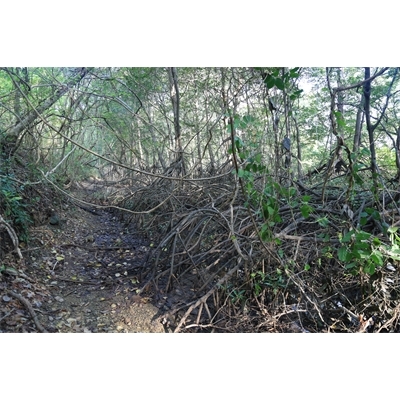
[271,194]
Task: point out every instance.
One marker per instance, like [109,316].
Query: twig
[205,326]
[96,248]
[83,282]
[6,315]
[28,305]
[299,285]
[305,238]
[12,235]
[204,298]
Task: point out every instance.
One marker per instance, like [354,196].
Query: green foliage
[305,208]
[235,295]
[356,253]
[281,78]
[340,119]
[363,252]
[323,222]
[386,158]
[267,201]
[13,207]
[261,280]
[393,250]
[270,203]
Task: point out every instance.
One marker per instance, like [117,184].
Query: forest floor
[81,274]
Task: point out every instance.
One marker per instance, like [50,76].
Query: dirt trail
[88,275]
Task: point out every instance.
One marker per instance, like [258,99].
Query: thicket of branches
[273,208]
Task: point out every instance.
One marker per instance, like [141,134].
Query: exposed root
[12,235]
[29,307]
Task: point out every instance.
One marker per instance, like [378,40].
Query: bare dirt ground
[81,274]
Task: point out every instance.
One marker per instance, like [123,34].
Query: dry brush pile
[239,255]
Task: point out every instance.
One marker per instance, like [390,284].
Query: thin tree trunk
[370,128]
[199,162]
[398,153]
[14,136]
[359,124]
[299,169]
[174,92]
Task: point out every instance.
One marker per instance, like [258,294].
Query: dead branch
[12,235]
[204,298]
[29,307]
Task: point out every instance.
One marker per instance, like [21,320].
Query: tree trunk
[174,92]
[298,144]
[359,123]
[14,136]
[398,153]
[370,128]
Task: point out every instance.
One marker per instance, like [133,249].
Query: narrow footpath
[83,277]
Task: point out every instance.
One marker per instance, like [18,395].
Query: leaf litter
[81,276]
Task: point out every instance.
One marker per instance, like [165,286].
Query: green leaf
[376,241]
[265,232]
[373,213]
[238,142]
[376,258]
[339,118]
[347,237]
[271,211]
[357,179]
[362,236]
[248,119]
[394,253]
[295,95]
[305,210]
[365,152]
[343,254]
[279,83]
[362,245]
[363,221]
[294,72]
[324,222]
[270,81]
[369,269]
[275,71]
[351,265]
